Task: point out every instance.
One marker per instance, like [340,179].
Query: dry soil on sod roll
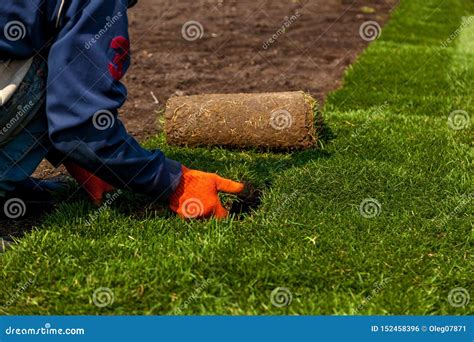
[269,120]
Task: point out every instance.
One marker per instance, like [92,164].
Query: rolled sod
[269,120]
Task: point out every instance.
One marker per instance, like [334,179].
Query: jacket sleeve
[87,59]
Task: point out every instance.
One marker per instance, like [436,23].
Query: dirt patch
[237,52]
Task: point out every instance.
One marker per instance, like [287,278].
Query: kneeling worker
[61,62]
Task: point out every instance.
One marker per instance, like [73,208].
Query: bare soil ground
[230,57]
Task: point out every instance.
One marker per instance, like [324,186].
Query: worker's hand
[197,194]
[94,186]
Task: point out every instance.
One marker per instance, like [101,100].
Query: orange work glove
[94,186]
[196,195]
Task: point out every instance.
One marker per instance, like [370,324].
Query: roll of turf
[268,120]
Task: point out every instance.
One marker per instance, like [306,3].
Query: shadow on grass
[258,172]
[32,211]
[263,170]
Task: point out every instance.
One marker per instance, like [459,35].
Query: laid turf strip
[391,149]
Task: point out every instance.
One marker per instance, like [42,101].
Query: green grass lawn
[391,143]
